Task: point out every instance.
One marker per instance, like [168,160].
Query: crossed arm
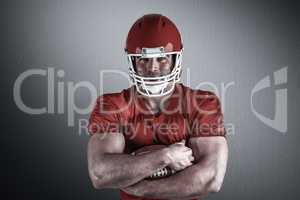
[205,176]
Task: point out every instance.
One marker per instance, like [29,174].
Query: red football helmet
[151,33]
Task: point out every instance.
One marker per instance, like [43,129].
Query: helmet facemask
[160,85]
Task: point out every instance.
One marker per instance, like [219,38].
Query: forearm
[122,170]
[186,184]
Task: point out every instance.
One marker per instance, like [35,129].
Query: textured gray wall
[224,41]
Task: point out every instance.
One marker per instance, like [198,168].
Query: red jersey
[187,113]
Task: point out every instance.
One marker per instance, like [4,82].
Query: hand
[180,156]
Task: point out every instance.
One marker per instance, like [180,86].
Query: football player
[181,128]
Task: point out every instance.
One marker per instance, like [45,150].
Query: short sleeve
[207,117]
[105,117]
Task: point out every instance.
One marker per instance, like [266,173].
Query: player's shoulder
[192,92]
[198,98]
[201,101]
[116,102]
[117,97]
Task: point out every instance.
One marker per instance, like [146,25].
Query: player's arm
[109,167]
[205,176]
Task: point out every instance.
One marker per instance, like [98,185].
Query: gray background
[224,41]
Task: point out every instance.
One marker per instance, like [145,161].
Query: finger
[191,158]
[177,167]
[183,146]
[188,152]
[186,163]
[189,163]
[182,143]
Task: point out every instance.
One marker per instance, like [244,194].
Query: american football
[161,172]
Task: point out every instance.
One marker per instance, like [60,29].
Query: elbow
[214,185]
[208,184]
[97,179]
[97,184]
